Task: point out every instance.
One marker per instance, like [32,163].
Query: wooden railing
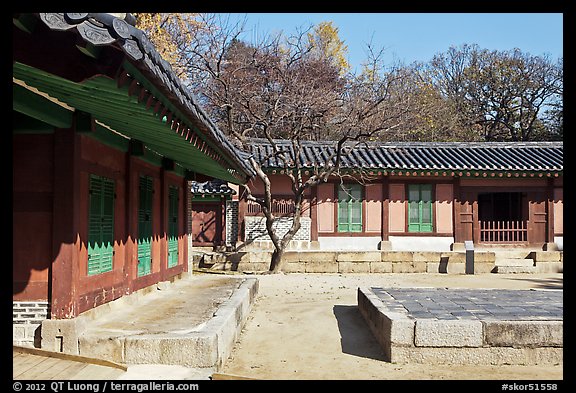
[279,207]
[503,231]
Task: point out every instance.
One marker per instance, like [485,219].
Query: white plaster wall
[349,243]
[559,240]
[421,243]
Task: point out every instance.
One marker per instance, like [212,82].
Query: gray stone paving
[473,304]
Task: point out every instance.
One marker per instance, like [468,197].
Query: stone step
[527,262]
[515,269]
[510,254]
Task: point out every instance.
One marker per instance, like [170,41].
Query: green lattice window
[172,226]
[100,225]
[145,225]
[420,208]
[350,208]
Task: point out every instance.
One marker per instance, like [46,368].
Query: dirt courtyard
[307,326]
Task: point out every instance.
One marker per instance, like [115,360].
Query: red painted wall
[35,238]
[32,171]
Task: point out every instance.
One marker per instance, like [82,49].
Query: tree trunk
[276,261]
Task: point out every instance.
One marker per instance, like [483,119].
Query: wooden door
[537,217]
[465,230]
[207,224]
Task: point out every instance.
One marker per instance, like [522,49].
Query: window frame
[420,227]
[351,227]
[104,263]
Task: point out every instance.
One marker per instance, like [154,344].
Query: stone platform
[193,322]
[465,326]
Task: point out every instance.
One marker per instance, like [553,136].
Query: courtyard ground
[307,326]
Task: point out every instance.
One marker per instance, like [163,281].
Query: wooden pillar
[385,210]
[131,200]
[550,210]
[65,224]
[457,228]
[242,210]
[163,223]
[314,214]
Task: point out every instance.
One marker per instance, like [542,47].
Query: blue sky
[412,37]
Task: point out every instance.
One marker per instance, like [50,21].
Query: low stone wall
[312,261]
[452,262]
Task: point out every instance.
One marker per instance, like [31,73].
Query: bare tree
[280,89]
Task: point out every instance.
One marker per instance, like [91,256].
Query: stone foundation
[27,317]
[469,334]
[311,261]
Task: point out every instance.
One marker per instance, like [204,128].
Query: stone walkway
[477,304]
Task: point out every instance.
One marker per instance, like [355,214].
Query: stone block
[107,348]
[455,257]
[397,256]
[549,267]
[291,256]
[523,333]
[419,266]
[545,256]
[321,267]
[402,267]
[399,329]
[294,267]
[258,266]
[18,332]
[385,245]
[550,247]
[61,335]
[354,256]
[448,333]
[317,256]
[484,256]
[314,245]
[256,257]
[457,247]
[354,267]
[446,267]
[477,356]
[483,267]
[380,267]
[194,350]
[427,256]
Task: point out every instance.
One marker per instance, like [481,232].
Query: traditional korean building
[425,196]
[105,140]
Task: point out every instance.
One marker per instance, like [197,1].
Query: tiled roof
[108,29]
[447,156]
[213,187]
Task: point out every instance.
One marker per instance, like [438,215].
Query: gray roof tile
[453,156]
